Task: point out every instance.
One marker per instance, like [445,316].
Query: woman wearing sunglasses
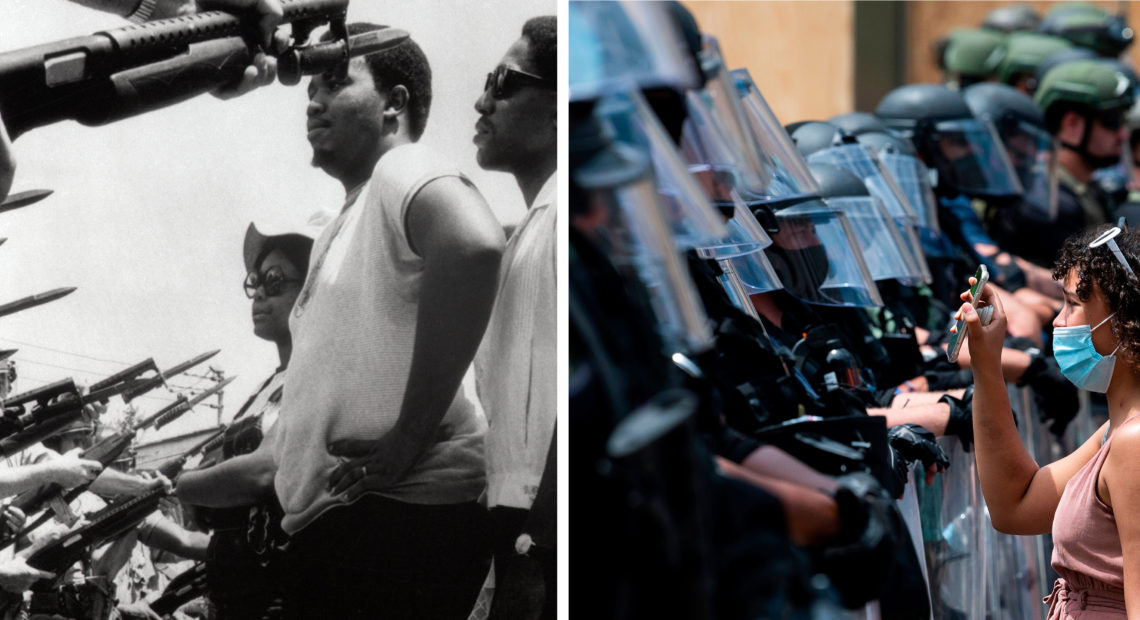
[1090,499]
[243,512]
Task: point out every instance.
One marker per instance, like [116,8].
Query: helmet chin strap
[1093,161]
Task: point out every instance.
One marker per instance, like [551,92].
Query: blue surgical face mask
[1080,363]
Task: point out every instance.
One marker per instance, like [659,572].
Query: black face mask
[966,172]
[801,271]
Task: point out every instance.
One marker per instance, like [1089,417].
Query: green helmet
[1012,18]
[1090,26]
[1096,84]
[1024,53]
[972,55]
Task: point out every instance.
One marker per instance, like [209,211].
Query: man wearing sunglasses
[515,366]
[379,446]
[1084,103]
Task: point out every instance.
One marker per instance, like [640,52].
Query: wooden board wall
[929,21]
[801,54]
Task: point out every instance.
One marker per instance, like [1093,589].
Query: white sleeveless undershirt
[353,331]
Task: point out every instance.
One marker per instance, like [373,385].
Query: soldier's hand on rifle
[16,576]
[14,518]
[372,465]
[68,470]
[138,611]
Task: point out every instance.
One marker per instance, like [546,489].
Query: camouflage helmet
[1012,18]
[1089,26]
[974,54]
[1095,84]
[1024,53]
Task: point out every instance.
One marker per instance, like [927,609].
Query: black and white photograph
[279,309]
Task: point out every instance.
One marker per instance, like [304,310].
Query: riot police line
[755,303]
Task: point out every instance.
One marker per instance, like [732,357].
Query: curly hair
[1098,269]
[542,32]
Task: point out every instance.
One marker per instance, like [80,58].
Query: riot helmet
[1097,90]
[965,153]
[816,255]
[1024,54]
[1030,146]
[972,55]
[857,123]
[1089,26]
[913,177]
[821,142]
[1012,18]
[879,239]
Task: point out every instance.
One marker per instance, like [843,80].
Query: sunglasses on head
[504,82]
[272,281]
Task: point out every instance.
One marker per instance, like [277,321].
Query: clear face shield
[631,229]
[1033,153]
[861,161]
[754,270]
[693,220]
[728,146]
[971,159]
[879,238]
[615,45]
[817,258]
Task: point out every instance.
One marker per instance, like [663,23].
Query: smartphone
[981,277]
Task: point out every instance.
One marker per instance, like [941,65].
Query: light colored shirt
[353,330]
[516,364]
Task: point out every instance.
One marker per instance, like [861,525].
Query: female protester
[240,569]
[1090,499]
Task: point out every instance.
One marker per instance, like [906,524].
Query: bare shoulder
[450,211]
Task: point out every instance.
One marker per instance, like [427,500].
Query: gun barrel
[328,55]
[31,301]
[125,374]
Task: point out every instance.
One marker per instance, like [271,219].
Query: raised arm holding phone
[1090,499]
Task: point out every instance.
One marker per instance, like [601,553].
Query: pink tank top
[1086,549]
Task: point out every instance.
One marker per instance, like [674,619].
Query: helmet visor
[887,254]
[615,46]
[788,172]
[691,217]
[817,257]
[972,160]
[913,178]
[638,240]
[859,159]
[1033,152]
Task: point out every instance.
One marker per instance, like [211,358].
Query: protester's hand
[68,470]
[138,610]
[16,576]
[372,465]
[985,342]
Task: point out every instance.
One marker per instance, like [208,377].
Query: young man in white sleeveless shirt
[379,452]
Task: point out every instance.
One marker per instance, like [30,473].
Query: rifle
[116,74]
[106,451]
[182,589]
[149,384]
[111,522]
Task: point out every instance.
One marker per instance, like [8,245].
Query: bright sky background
[149,214]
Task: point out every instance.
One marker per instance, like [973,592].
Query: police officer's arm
[114,482]
[241,481]
[451,227]
[811,515]
[931,416]
[66,470]
[774,462]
